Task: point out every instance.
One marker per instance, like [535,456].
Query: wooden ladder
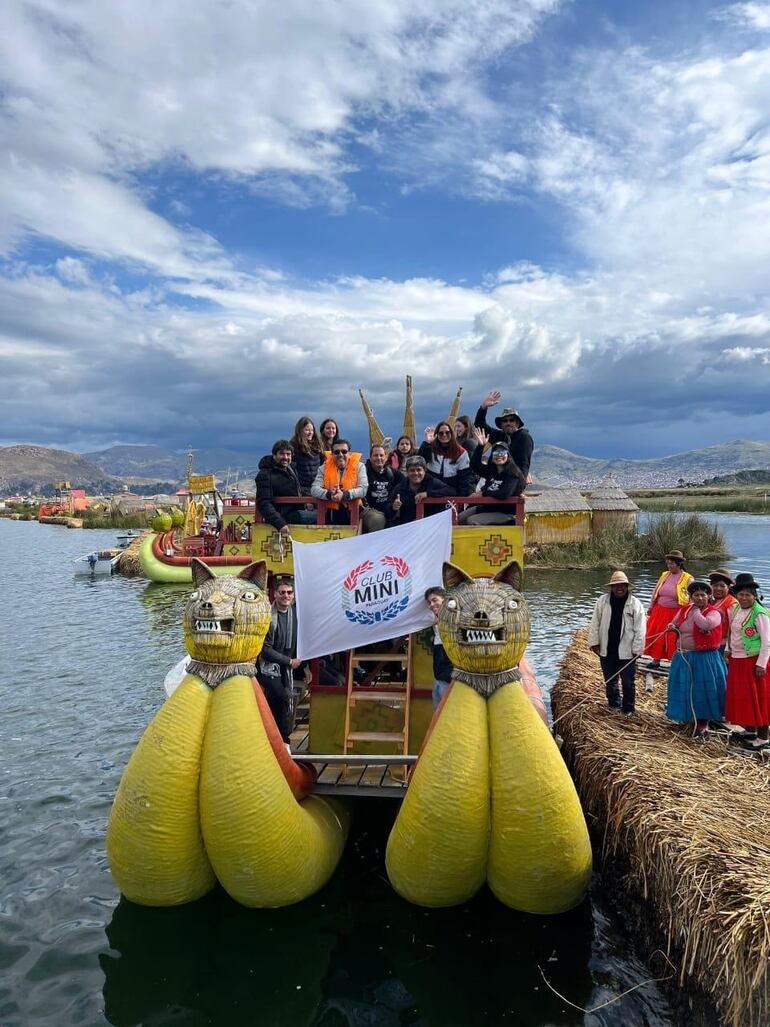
[397,693]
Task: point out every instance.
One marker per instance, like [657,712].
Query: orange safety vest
[349,479]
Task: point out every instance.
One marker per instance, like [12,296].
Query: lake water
[80,677]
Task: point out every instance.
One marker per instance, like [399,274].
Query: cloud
[649,323]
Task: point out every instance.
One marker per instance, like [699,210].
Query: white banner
[355,591]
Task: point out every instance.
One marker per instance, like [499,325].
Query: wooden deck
[370,776]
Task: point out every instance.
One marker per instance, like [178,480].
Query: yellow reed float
[210,791]
[491,796]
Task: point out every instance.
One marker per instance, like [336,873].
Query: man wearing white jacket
[616,635]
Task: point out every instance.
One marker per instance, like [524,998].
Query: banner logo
[371,595]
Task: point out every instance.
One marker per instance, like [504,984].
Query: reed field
[754,500]
[614,548]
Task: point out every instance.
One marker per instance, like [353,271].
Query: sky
[216,218]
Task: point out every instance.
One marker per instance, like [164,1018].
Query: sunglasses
[340,452]
[443,432]
[285,592]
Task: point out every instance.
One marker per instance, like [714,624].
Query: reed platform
[686,824]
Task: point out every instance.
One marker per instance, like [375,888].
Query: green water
[80,676]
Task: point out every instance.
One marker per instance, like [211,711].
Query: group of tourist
[716,634]
[469,461]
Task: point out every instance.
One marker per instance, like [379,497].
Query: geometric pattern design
[495,551]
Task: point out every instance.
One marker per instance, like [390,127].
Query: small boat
[127,537]
[100,563]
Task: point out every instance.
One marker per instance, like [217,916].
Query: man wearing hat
[616,635]
[510,430]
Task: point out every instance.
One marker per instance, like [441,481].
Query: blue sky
[212,225]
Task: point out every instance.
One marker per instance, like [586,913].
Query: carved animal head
[226,619]
[484,622]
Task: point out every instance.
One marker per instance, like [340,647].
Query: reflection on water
[81,676]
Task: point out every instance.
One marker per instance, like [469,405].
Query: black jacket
[306,465]
[380,486]
[497,486]
[442,665]
[275,480]
[520,443]
[408,512]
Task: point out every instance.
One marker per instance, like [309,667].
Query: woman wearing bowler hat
[696,680]
[748,650]
[669,596]
[721,600]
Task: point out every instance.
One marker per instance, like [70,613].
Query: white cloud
[755,15]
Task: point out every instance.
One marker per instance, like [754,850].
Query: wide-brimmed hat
[698,585]
[675,554]
[744,580]
[720,574]
[508,412]
[617,578]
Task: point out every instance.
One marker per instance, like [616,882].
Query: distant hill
[554,466]
[35,468]
[753,477]
[31,468]
[154,462]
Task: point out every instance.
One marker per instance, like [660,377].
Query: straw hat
[675,554]
[617,578]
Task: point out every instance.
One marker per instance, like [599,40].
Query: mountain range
[35,468]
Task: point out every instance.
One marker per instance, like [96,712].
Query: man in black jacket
[278,659]
[510,429]
[277,477]
[382,480]
[419,485]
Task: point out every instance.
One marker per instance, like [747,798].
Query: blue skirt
[696,686]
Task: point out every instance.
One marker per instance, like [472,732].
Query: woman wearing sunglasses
[500,479]
[446,459]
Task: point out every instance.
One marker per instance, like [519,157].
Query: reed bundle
[128,564]
[689,822]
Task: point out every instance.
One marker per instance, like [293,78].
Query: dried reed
[689,821]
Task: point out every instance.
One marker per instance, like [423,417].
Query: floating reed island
[686,824]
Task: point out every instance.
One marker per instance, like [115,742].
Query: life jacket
[704,640]
[752,641]
[682,595]
[349,479]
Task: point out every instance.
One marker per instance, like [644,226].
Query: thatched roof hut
[611,507]
[685,825]
[556,515]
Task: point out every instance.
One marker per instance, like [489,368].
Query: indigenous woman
[308,453]
[502,479]
[446,459]
[696,680]
[404,448]
[328,432]
[669,596]
[748,649]
[721,583]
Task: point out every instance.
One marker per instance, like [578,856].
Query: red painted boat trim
[159,544]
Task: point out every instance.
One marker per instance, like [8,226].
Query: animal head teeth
[208,625]
[480,636]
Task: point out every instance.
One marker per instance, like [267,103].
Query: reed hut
[682,826]
[612,509]
[555,516]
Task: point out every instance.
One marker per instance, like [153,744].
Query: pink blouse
[667,596]
[737,652]
[695,619]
